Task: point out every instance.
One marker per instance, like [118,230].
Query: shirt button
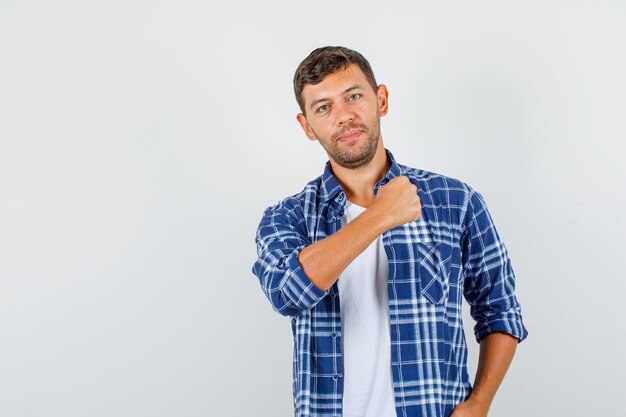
[335,377]
[333,335]
[332,294]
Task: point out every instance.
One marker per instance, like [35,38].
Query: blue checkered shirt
[452,251]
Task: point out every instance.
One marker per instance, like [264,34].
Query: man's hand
[397,203]
[470,408]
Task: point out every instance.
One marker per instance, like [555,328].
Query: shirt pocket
[434,269]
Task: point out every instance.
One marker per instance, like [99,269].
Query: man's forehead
[336,83]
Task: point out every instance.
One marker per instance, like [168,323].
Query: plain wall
[140,142]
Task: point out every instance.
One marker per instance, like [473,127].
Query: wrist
[375,220]
[477,400]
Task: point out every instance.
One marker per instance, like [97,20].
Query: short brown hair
[325,61]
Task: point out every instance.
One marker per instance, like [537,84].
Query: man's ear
[305,126]
[382,96]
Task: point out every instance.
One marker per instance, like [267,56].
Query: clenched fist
[397,203]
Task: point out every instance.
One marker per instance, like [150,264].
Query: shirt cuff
[510,323]
[298,288]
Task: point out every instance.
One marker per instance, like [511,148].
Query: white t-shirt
[365,342]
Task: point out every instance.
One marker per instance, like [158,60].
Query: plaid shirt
[452,250]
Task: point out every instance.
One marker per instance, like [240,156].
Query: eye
[322,109]
[353,97]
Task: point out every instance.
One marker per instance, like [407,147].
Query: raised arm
[396,203]
[295,274]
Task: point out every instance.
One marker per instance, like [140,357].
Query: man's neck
[358,183]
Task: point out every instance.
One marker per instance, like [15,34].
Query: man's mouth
[349,135]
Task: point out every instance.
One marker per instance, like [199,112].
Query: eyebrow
[319,100]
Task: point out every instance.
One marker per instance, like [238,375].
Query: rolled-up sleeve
[279,240]
[489,280]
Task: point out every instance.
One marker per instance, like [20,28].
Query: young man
[372,260]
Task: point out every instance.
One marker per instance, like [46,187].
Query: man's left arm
[489,288]
[496,354]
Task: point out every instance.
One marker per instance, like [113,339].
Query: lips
[350,134]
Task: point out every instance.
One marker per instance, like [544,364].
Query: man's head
[325,61]
[341,104]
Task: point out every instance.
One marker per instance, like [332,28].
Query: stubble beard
[354,155]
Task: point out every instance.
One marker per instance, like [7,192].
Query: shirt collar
[330,186]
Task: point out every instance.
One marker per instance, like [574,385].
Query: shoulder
[450,197]
[297,207]
[438,185]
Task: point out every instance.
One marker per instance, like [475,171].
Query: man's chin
[354,162]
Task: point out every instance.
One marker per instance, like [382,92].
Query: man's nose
[344,113]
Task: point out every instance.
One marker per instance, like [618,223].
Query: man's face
[343,114]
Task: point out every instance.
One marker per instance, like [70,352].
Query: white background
[140,142]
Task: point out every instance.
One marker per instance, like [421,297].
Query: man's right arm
[396,203]
[296,274]
[324,260]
